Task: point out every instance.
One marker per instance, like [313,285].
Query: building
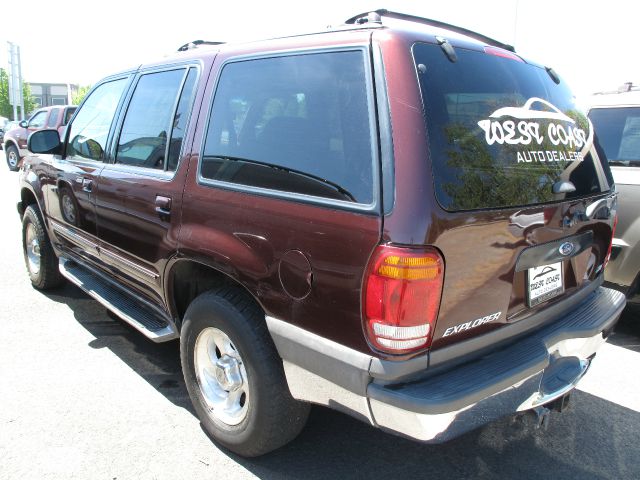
[48,94]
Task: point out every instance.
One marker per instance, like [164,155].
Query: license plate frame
[548,281]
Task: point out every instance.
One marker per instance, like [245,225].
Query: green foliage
[29,102]
[6,110]
[78,96]
[482,180]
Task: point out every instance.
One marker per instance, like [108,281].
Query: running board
[140,316]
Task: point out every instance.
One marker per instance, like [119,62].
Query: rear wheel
[234,376]
[13,157]
[41,261]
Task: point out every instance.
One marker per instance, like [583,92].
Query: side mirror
[23,124]
[45,141]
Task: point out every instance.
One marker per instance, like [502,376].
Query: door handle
[163,206]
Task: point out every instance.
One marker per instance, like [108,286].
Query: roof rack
[376,17]
[626,87]
[197,43]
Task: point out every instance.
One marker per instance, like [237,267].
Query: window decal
[559,137]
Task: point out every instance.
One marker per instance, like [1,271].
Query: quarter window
[90,128]
[148,122]
[298,124]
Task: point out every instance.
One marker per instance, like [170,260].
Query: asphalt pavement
[83,396]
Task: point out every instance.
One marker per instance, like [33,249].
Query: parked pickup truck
[15,139]
[398,218]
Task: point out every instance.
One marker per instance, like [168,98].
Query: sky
[592,44]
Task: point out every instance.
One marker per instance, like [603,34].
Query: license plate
[543,283]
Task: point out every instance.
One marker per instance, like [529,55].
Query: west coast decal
[542,130]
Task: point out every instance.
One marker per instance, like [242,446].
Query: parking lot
[84,396]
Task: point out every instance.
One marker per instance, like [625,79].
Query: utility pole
[15,81]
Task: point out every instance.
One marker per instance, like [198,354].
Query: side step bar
[140,316]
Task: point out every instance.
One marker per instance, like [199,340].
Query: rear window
[502,132]
[618,131]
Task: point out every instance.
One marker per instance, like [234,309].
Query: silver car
[616,118]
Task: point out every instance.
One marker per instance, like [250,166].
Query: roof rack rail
[196,43]
[376,16]
[626,87]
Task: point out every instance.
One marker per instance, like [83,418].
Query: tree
[6,109]
[78,96]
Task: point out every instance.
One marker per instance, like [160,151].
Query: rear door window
[148,121]
[618,131]
[53,118]
[298,124]
[502,132]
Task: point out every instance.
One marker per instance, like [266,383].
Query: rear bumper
[532,371]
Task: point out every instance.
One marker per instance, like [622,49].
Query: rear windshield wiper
[293,171]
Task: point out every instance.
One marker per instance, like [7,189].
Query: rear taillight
[613,234]
[402,292]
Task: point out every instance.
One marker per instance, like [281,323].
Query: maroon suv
[15,140]
[399,219]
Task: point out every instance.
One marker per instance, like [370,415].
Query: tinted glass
[90,128]
[37,121]
[502,132]
[53,118]
[298,124]
[147,124]
[68,114]
[618,131]
[180,120]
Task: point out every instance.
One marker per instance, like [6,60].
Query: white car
[616,118]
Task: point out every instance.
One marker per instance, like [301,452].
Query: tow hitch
[542,417]
[560,404]
[542,413]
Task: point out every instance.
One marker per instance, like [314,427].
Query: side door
[139,197]
[72,178]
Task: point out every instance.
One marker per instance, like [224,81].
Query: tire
[13,157]
[234,375]
[39,257]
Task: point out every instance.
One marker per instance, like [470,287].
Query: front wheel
[39,257]
[13,157]
[234,376]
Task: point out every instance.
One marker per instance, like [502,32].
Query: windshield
[502,132]
[618,131]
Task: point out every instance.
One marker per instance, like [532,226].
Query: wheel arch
[10,142]
[186,279]
[28,197]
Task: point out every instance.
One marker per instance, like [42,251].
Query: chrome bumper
[569,360]
[535,370]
